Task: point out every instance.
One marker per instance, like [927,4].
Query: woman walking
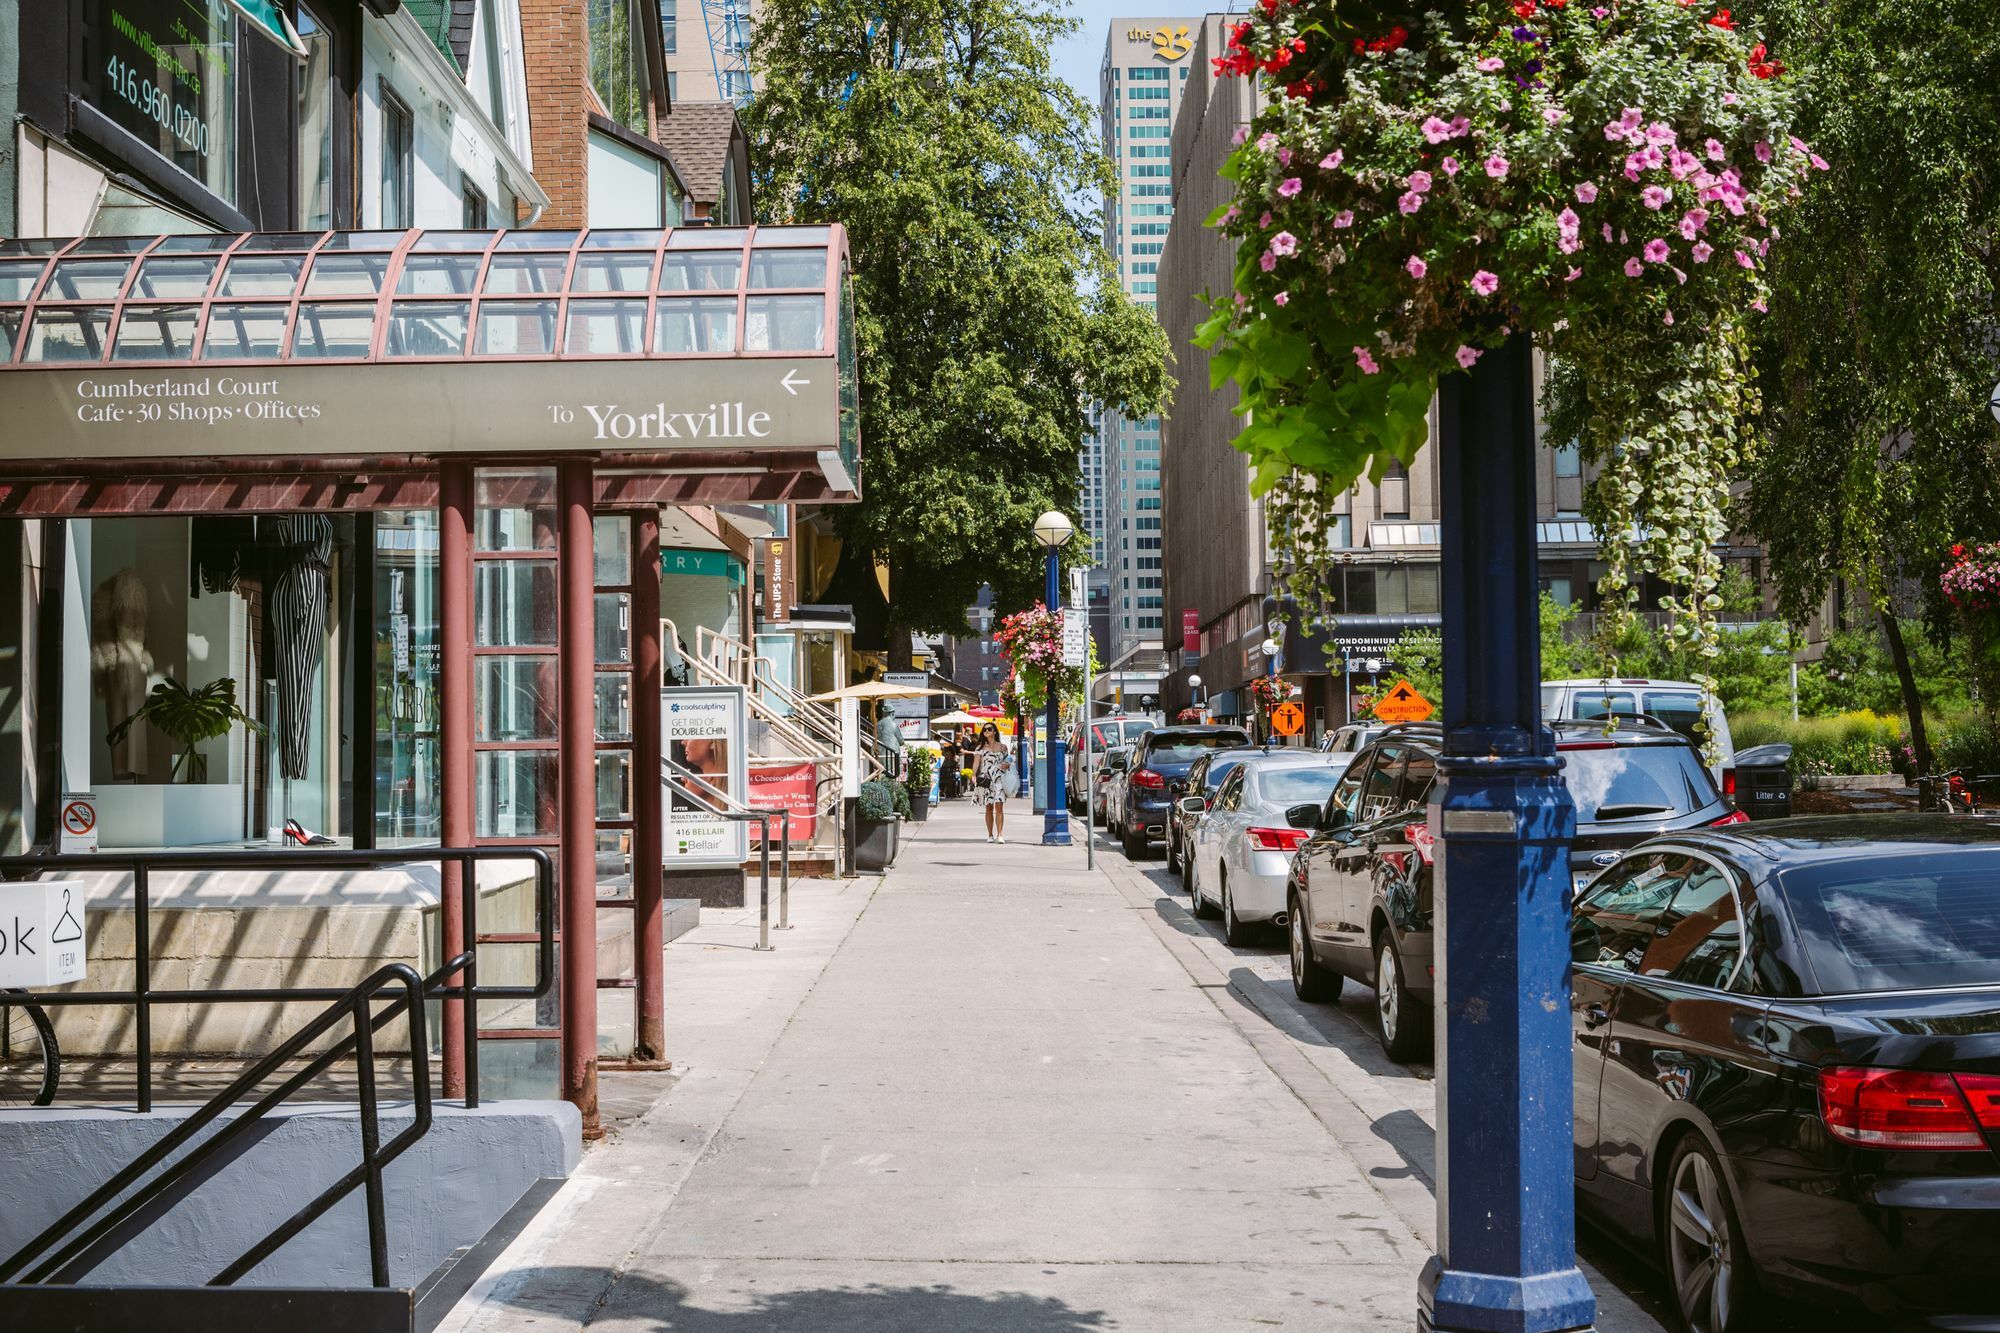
[991,779]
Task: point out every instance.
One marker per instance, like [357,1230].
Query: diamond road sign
[1403,704]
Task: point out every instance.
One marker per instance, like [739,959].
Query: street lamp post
[1194,696]
[1506,1255]
[1053,530]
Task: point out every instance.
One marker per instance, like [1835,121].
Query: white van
[1675,702]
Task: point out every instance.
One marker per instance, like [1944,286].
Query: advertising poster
[913,716]
[785,786]
[703,733]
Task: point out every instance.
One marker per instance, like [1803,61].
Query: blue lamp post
[1506,1260]
[1053,530]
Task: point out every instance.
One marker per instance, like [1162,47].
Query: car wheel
[1310,981]
[1236,931]
[1173,852]
[1196,903]
[1399,1022]
[1135,847]
[1707,1265]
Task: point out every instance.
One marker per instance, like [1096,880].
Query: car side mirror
[1192,805]
[1337,818]
[1303,816]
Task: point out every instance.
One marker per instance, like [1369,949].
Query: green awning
[702,564]
[270,20]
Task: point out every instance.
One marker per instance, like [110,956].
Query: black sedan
[1787,1058]
[1203,780]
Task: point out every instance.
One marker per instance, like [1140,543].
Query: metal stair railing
[807,745]
[65,1252]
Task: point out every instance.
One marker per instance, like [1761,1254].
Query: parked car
[1160,757]
[1351,738]
[1105,732]
[1204,779]
[1108,785]
[1674,702]
[1787,1066]
[1361,884]
[1242,845]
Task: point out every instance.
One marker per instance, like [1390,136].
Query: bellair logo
[1169,44]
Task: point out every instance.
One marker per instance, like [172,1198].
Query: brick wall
[556,47]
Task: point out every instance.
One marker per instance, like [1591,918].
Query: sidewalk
[979,1095]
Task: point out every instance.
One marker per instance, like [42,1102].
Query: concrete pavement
[991,1091]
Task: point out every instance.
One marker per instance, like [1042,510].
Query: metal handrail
[67,1257]
[678,777]
[142,997]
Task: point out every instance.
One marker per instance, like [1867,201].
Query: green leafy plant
[919,766]
[878,800]
[187,718]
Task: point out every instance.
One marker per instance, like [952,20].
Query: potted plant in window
[877,820]
[919,767]
[187,718]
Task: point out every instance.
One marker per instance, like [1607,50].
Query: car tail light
[1278,839]
[1728,782]
[1148,779]
[1909,1109]
[1587,745]
[1733,817]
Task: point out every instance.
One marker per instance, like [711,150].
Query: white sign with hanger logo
[41,934]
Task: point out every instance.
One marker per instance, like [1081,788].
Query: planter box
[920,807]
[875,843]
[1853,782]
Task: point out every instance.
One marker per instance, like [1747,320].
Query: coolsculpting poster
[704,741]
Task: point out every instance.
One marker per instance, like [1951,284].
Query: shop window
[165,71]
[406,767]
[317,117]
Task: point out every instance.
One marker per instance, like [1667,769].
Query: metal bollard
[785,872]
[764,886]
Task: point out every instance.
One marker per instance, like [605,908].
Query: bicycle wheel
[28,1057]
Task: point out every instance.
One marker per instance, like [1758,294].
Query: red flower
[1360,46]
[1723,21]
[1269,7]
[1524,9]
[1757,54]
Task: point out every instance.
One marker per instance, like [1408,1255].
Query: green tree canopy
[988,314]
[1881,347]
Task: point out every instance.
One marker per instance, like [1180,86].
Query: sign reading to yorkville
[421,407]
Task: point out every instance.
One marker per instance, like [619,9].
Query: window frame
[389,105]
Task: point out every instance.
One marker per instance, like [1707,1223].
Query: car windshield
[1178,747]
[1636,782]
[1914,922]
[1296,786]
[1135,727]
[1679,709]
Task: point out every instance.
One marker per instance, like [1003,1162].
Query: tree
[987,312]
[1879,355]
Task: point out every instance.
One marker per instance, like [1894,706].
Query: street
[994,1090]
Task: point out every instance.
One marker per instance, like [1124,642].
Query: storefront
[361,530]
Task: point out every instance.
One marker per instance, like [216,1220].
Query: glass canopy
[415,296]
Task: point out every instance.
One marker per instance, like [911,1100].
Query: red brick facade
[556,46]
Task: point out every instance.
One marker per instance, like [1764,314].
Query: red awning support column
[576,648]
[648,830]
[454,734]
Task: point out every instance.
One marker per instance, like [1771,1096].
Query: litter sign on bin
[41,934]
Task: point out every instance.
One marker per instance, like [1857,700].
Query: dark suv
[1160,758]
[1360,886]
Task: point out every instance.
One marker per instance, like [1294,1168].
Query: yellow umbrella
[875,689]
[958,717]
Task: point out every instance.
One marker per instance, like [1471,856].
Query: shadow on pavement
[863,1308]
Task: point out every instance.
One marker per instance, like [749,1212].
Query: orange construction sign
[1403,704]
[1288,719]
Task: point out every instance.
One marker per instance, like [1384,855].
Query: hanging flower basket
[1971,584]
[1268,692]
[1032,640]
[1605,178]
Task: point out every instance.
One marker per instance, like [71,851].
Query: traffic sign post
[1403,704]
[1288,719]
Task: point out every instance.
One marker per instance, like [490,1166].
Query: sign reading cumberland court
[661,343]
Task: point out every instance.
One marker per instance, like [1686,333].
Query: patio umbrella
[958,717]
[295,611]
[875,689]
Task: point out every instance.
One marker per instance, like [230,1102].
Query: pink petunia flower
[1682,163]
[1497,167]
[1229,215]
[1284,243]
[1344,218]
[1282,298]
[1460,126]
[1492,65]
[1484,283]
[1466,356]
[1569,243]
[1266,142]
[1436,129]
[1289,187]
[1265,220]
[1670,317]
[1701,252]
[1450,165]
[1716,152]
[1763,151]
[1410,203]
[1568,221]
[1586,193]
[1659,134]
[1242,133]
[1600,12]
[1365,361]
[1573,275]
[1332,160]
[1267,261]
[1553,115]
[1419,181]
[1633,268]
[1819,163]
[1607,231]
[1693,221]
[1284,157]
[1745,261]
[1655,197]
[1417,267]
[1657,250]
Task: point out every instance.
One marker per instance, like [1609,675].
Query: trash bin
[1764,781]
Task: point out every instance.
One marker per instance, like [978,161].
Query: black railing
[143,996]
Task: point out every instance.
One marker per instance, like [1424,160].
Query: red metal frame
[577,876]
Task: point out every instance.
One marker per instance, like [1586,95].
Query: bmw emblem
[1604,859]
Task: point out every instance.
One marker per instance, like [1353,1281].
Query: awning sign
[41,934]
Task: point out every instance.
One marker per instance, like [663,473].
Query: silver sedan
[1243,843]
